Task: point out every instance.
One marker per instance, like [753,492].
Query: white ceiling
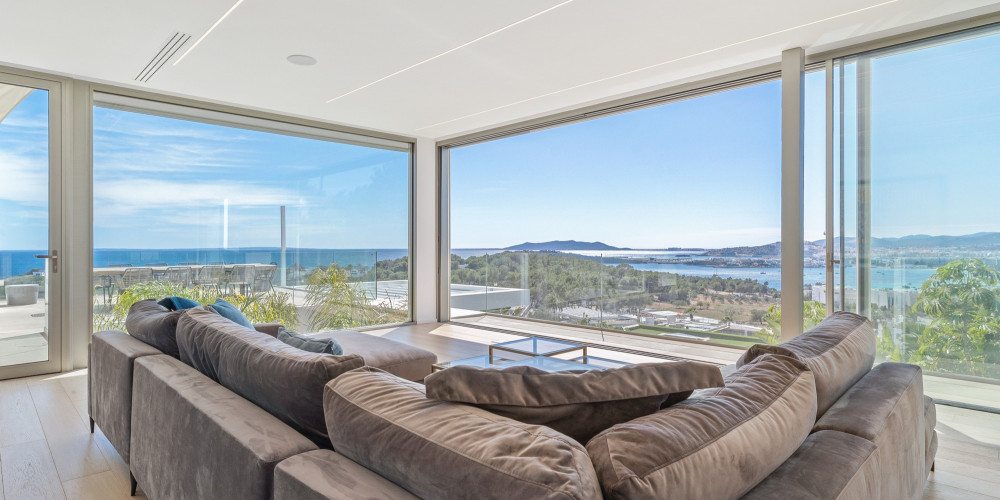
[540,56]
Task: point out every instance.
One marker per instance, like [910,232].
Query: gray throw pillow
[577,403]
[155,325]
[309,344]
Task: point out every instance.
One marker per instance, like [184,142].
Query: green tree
[961,300]
[812,313]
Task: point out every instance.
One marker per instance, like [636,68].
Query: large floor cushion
[326,474]
[285,381]
[397,358]
[578,403]
[718,445]
[829,464]
[839,351]
[886,407]
[442,450]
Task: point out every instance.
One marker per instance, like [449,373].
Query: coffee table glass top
[541,362]
[536,347]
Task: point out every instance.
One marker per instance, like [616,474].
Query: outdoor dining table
[118,271]
[108,274]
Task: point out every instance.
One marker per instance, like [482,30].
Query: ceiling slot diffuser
[176,41]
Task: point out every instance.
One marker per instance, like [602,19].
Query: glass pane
[814,201]
[925,117]
[24,227]
[660,223]
[309,233]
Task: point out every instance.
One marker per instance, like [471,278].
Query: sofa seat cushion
[578,403]
[326,474]
[397,358]
[886,407]
[829,464]
[155,325]
[719,445]
[285,381]
[839,351]
[438,449]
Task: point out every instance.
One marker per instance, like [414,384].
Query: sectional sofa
[810,418]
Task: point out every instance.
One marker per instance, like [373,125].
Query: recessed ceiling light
[301,60]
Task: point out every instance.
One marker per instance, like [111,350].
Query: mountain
[567,245]
[981,240]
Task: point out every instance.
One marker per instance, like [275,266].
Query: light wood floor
[47,451]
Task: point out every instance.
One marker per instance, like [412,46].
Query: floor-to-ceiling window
[662,222]
[305,227]
[920,130]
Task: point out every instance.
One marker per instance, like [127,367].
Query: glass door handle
[54,257]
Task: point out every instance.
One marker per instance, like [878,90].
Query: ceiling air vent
[176,41]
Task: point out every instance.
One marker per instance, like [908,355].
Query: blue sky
[705,172]
[702,172]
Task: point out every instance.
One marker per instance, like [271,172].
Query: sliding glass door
[29,227]
[919,141]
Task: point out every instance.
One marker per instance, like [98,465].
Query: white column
[792,110]
[424,261]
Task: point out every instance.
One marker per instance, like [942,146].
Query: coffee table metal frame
[514,347]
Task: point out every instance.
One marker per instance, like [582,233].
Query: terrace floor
[47,451]
[22,333]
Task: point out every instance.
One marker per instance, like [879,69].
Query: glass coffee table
[533,346]
[539,354]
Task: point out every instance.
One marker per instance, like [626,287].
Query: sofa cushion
[326,474]
[886,407]
[716,446]
[178,303]
[839,351]
[231,312]
[285,381]
[437,449]
[397,358]
[578,403]
[306,343]
[154,325]
[829,464]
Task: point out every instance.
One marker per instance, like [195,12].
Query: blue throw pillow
[306,343]
[178,303]
[231,312]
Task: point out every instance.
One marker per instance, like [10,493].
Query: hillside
[564,245]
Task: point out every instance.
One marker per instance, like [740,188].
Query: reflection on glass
[24,226]
[919,130]
[309,233]
[660,223]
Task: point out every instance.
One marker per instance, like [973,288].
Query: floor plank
[29,472]
[74,450]
[103,486]
[18,419]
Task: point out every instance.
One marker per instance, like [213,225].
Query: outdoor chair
[242,275]
[263,279]
[180,275]
[210,277]
[131,277]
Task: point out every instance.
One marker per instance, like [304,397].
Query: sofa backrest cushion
[839,351]
[285,381]
[438,449]
[155,325]
[718,445]
[578,403]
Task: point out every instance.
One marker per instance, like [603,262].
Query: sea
[20,262]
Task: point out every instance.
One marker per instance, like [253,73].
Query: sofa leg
[91,425]
[131,479]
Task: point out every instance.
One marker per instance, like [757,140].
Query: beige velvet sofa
[808,419]
[804,420]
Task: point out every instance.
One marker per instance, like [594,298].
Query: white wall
[425,251]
